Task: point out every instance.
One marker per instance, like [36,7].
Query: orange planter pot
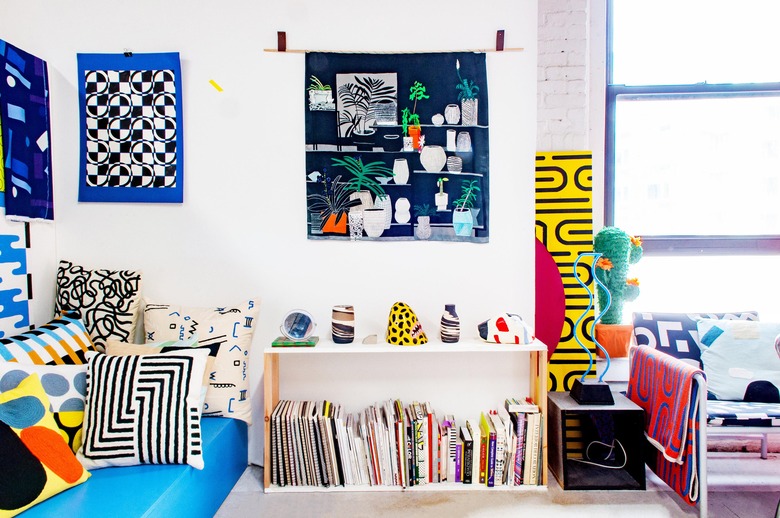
[414,132]
[333,227]
[615,338]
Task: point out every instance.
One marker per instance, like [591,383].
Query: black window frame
[677,244]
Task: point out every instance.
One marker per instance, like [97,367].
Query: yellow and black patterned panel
[564,224]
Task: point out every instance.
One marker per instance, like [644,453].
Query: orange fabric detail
[68,349]
[36,358]
[47,445]
[54,355]
[85,346]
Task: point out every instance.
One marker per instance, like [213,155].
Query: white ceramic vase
[401,171]
[454,164]
[433,158]
[402,214]
[441,199]
[452,114]
[383,202]
[374,222]
[366,202]
[355,222]
[452,140]
[423,230]
[469,109]
[464,142]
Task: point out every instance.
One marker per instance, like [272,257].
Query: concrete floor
[741,485]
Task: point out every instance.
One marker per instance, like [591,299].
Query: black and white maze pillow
[143,410]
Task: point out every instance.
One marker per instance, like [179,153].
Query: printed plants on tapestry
[397,147]
[131,128]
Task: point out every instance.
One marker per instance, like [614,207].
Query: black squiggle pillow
[107,301]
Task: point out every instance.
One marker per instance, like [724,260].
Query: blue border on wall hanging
[130,115]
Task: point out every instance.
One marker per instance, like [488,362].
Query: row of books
[317,443]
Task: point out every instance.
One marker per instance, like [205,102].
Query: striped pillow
[64,340]
[143,410]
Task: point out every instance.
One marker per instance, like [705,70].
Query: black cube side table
[596,446]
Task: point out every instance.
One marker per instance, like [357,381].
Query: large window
[693,125]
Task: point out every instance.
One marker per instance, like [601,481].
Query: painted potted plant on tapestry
[365,101]
[463,218]
[332,204]
[320,95]
[365,180]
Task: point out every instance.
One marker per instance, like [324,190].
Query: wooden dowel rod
[303,51]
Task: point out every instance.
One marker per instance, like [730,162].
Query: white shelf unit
[536,353]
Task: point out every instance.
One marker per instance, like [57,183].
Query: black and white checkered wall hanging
[131,128]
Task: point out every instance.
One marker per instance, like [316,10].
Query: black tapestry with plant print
[397,147]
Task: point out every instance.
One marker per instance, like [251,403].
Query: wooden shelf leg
[271,393]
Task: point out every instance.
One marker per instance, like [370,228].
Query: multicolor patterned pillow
[35,461]
[107,300]
[143,410]
[62,341]
[676,334]
[230,328]
[740,360]
[66,388]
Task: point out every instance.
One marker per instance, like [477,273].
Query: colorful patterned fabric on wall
[131,128]
[564,224]
[24,110]
[397,146]
[15,281]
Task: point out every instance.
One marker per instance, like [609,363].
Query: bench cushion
[738,413]
[160,490]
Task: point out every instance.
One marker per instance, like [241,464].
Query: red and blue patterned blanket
[666,391]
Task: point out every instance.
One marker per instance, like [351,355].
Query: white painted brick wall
[563,75]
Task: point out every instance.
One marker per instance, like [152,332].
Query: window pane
[667,42]
[698,166]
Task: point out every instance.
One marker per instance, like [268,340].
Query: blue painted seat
[160,490]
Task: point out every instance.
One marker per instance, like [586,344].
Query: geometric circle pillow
[66,388]
[107,300]
[230,329]
[35,461]
[676,333]
[740,360]
[143,410]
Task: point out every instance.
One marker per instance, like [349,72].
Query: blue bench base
[160,490]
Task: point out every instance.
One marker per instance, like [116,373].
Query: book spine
[452,444]
[500,455]
[483,458]
[529,447]
[520,420]
[431,444]
[468,461]
[411,452]
[536,450]
[490,479]
[420,432]
[458,456]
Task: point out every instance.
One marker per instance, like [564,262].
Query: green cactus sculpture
[618,250]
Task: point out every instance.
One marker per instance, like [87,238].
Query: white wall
[241,230]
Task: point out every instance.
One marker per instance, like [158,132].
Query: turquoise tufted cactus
[618,250]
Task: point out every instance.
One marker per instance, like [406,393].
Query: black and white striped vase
[343,324]
[450,325]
